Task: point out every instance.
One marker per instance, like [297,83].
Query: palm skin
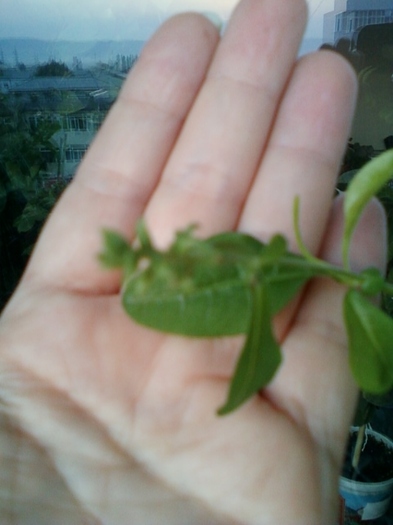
[107,422]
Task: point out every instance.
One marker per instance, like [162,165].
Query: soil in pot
[376,461]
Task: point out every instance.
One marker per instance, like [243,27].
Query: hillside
[30,51]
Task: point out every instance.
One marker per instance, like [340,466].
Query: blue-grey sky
[113,19]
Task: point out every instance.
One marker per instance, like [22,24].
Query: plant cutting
[232,283]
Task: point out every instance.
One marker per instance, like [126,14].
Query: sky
[114,19]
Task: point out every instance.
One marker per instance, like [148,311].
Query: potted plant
[366,481]
[366,484]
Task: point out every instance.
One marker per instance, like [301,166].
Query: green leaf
[236,244]
[274,250]
[373,281]
[29,217]
[380,400]
[284,283]
[280,269]
[196,288]
[117,252]
[370,336]
[367,182]
[260,357]
[215,309]
[202,288]
[242,248]
[221,306]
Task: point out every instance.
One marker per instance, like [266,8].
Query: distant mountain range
[30,51]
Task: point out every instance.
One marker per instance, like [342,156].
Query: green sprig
[232,283]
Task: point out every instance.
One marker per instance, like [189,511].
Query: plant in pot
[366,484]
[243,283]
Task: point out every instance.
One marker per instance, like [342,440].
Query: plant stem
[358,450]
[318,267]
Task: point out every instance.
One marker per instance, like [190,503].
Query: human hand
[105,421]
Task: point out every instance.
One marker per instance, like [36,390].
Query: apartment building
[349,16]
[77,104]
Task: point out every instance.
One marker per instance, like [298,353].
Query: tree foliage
[24,200]
[53,69]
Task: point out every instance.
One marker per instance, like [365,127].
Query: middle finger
[212,165]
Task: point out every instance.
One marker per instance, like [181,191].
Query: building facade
[350,15]
[78,105]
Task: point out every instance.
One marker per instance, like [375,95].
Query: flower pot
[367,500]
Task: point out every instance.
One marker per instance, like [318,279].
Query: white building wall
[329,20]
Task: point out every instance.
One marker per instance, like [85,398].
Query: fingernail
[214,18]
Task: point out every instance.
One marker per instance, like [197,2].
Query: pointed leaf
[260,356]
[367,182]
[215,309]
[370,335]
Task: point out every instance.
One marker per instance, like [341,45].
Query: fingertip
[337,71]
[214,18]
[341,65]
[193,29]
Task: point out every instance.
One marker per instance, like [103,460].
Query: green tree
[53,69]
[24,201]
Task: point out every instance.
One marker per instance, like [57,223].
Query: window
[75,153]
[75,123]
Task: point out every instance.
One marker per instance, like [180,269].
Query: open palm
[107,422]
